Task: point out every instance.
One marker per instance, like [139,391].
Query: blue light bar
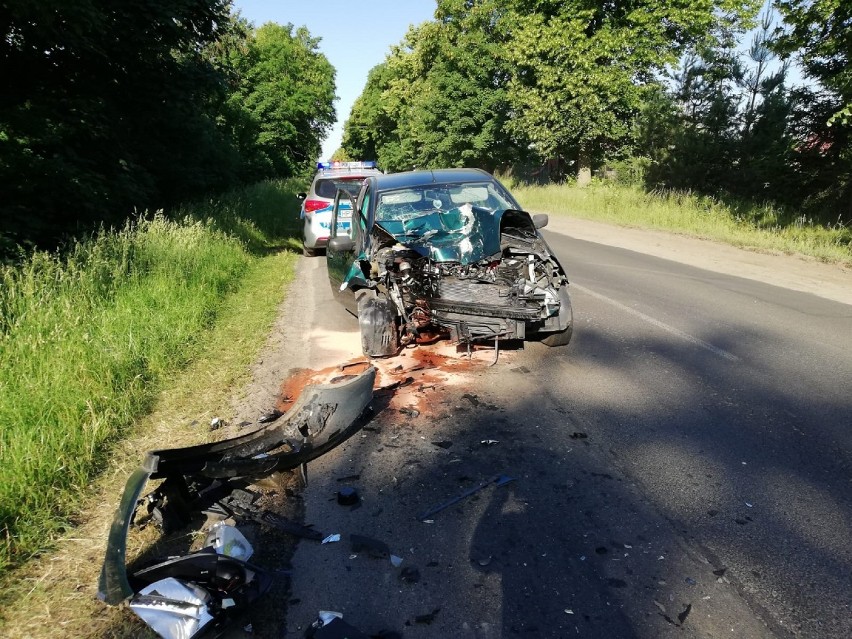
[325,166]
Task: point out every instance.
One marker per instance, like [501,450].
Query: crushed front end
[516,292]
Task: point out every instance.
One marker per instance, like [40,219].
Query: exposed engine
[495,297]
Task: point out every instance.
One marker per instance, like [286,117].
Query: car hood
[465,234]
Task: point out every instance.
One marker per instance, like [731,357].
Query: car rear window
[328,187]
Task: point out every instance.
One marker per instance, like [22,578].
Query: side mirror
[540,220]
[341,244]
[301,196]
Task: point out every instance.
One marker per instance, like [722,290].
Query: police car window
[327,187]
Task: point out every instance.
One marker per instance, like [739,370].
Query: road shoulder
[798,273]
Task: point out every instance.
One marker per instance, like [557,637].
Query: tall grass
[741,224]
[86,336]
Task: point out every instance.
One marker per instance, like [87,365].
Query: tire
[566,315]
[308,252]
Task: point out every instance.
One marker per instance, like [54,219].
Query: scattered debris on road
[185,595]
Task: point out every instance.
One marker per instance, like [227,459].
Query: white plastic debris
[227,540]
[327,616]
[331,538]
[396,561]
[173,609]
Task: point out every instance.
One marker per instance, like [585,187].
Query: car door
[344,245]
[336,255]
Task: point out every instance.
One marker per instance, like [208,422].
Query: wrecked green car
[445,252]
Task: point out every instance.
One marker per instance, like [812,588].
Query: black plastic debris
[428,618]
[271,416]
[243,424]
[683,615]
[721,572]
[409,575]
[331,626]
[355,477]
[347,496]
[395,385]
[444,443]
[473,399]
[280,522]
[578,435]
[370,546]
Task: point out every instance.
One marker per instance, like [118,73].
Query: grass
[749,226]
[90,337]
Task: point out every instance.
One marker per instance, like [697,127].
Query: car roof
[434,176]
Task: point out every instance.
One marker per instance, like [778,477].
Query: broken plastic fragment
[336,628]
[331,538]
[347,496]
[396,561]
[427,618]
[227,540]
[271,416]
[499,480]
[173,609]
[489,442]
[216,423]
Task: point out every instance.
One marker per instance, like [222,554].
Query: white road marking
[661,325]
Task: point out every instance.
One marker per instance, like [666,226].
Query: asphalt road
[683,468]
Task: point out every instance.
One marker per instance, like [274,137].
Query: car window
[327,187]
[365,209]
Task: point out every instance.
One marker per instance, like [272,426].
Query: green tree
[439,98]
[369,125]
[579,70]
[284,101]
[819,35]
[106,106]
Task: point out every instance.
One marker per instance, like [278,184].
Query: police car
[317,202]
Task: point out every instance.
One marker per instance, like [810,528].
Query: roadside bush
[735,222]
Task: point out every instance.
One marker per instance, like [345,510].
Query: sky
[356,36]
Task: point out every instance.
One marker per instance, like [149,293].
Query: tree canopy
[664,89]
[107,107]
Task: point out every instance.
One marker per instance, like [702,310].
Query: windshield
[404,205]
